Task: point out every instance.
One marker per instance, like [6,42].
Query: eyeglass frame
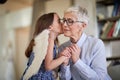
[68,22]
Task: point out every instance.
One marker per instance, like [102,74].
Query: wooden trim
[111,39]
[113,58]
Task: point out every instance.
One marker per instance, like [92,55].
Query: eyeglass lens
[68,21]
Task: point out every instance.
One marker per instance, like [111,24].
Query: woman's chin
[67,35]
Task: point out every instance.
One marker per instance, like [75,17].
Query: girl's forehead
[56,16]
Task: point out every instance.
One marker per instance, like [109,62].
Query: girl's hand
[66,53]
[53,35]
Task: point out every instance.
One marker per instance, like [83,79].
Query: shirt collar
[82,39]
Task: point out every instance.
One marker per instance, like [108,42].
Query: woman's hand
[75,52]
[66,53]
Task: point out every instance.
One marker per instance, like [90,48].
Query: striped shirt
[92,62]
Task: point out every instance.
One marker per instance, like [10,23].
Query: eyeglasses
[68,21]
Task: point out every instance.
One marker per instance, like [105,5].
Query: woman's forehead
[70,15]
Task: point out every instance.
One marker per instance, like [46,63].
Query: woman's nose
[65,24]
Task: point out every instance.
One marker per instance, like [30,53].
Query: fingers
[53,35]
[74,48]
[66,52]
[75,52]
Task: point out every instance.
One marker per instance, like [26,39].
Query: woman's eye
[64,20]
[70,21]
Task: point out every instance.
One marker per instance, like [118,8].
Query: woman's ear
[84,25]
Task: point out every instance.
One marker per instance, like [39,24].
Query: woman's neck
[74,39]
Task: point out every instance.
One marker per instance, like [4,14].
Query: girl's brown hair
[42,23]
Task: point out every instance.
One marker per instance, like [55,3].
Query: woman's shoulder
[94,43]
[94,40]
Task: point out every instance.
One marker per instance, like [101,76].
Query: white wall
[6,37]
[8,22]
[21,18]
[2,51]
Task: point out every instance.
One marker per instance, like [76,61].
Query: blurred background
[17,20]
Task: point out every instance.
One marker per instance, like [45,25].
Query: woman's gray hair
[81,13]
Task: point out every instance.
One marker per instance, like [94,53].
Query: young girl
[42,49]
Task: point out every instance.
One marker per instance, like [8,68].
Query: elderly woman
[88,59]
